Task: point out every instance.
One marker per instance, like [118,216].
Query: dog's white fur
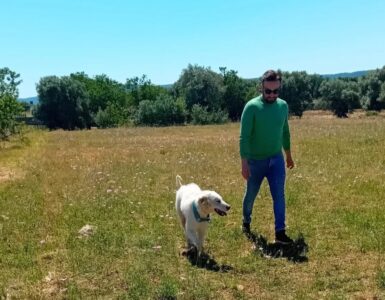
[206,202]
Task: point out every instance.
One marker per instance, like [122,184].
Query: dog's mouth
[220,212]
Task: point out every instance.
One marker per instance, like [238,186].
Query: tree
[371,90]
[342,96]
[315,81]
[9,80]
[252,88]
[234,97]
[103,91]
[10,108]
[297,91]
[142,89]
[200,85]
[351,95]
[382,93]
[63,103]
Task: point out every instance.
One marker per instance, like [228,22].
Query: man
[264,132]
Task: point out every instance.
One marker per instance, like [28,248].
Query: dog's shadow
[205,261]
[295,252]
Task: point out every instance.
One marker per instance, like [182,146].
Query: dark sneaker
[282,238]
[246,228]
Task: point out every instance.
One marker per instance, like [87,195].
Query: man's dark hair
[271,75]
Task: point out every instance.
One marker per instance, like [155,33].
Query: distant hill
[167,86]
[337,75]
[34,100]
[332,76]
[346,75]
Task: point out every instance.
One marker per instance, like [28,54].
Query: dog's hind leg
[182,218]
[182,221]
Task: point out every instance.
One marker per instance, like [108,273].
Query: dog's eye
[218,201]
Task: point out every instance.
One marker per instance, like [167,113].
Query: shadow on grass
[295,252]
[205,261]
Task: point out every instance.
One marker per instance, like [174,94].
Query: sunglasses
[268,91]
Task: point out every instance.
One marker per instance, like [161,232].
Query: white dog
[194,207]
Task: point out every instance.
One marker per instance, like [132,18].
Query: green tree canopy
[63,103]
[9,80]
[341,95]
[142,89]
[200,85]
[235,94]
[297,91]
[103,90]
[10,108]
[371,87]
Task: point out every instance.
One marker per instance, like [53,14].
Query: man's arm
[244,139]
[286,142]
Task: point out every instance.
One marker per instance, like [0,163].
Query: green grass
[122,181]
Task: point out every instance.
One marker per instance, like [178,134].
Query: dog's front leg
[192,239]
[201,235]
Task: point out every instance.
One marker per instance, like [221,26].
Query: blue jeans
[273,168]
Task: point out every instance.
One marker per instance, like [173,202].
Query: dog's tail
[178,181]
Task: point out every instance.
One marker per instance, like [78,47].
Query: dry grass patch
[9,174]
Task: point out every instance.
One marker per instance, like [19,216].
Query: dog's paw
[190,252]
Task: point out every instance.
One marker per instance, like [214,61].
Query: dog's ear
[202,200]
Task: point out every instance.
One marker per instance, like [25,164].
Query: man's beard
[270,100]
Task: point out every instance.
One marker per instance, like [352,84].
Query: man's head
[271,84]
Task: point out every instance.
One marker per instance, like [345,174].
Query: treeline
[199,96]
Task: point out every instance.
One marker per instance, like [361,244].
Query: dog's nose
[228,207]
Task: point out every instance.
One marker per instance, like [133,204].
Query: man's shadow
[205,261]
[295,252]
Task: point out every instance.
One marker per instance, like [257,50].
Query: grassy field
[122,181]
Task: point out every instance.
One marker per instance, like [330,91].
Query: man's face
[270,90]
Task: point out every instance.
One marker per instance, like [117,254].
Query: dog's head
[211,201]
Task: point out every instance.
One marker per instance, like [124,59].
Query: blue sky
[123,39]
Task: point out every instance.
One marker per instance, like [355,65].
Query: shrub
[320,104]
[163,111]
[371,113]
[201,116]
[112,116]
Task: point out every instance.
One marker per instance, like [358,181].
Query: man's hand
[245,169]
[289,160]
[290,163]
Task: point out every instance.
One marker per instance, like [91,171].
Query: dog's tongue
[219,212]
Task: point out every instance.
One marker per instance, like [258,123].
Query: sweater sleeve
[246,131]
[286,133]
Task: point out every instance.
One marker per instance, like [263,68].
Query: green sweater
[264,129]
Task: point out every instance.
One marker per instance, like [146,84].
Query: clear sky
[124,39]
